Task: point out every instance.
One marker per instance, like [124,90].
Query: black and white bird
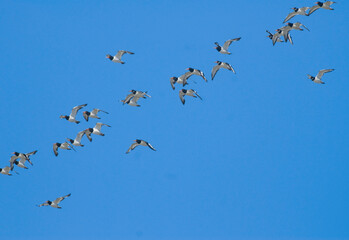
[92,114]
[224,49]
[132,98]
[20,163]
[72,116]
[117,57]
[197,72]
[54,203]
[189,92]
[181,79]
[25,156]
[282,33]
[77,140]
[140,142]
[96,130]
[294,26]
[317,78]
[65,146]
[5,171]
[219,66]
[272,35]
[324,5]
[297,11]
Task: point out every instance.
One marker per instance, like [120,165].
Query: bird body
[133,98]
[77,140]
[317,78]
[139,142]
[181,79]
[117,57]
[96,130]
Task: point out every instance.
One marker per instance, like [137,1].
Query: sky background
[264,155]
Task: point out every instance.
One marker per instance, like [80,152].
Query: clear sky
[264,155]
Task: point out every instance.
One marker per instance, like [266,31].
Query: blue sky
[263,156]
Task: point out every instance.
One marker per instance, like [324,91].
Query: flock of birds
[20,159]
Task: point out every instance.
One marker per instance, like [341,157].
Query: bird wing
[88,135]
[60,199]
[229,67]
[31,153]
[133,146]
[13,159]
[214,70]
[322,72]
[76,109]
[128,97]
[151,147]
[79,136]
[228,42]
[313,9]
[120,54]
[172,83]
[7,169]
[276,36]
[289,16]
[185,77]
[85,116]
[43,204]
[55,148]
[197,94]
[181,96]
[96,110]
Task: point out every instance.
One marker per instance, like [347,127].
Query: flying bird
[65,146]
[181,79]
[117,57]
[96,130]
[197,72]
[294,26]
[317,78]
[20,163]
[224,49]
[219,66]
[297,11]
[140,142]
[92,114]
[55,203]
[189,92]
[71,117]
[272,35]
[324,5]
[132,98]
[25,156]
[77,140]
[5,171]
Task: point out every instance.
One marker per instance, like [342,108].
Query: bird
[117,57]
[224,49]
[140,142]
[65,146]
[92,114]
[71,117]
[285,32]
[324,5]
[271,37]
[189,92]
[96,130]
[134,96]
[317,78]
[25,156]
[5,171]
[20,164]
[294,26]
[297,11]
[197,72]
[77,140]
[181,79]
[54,203]
[219,66]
